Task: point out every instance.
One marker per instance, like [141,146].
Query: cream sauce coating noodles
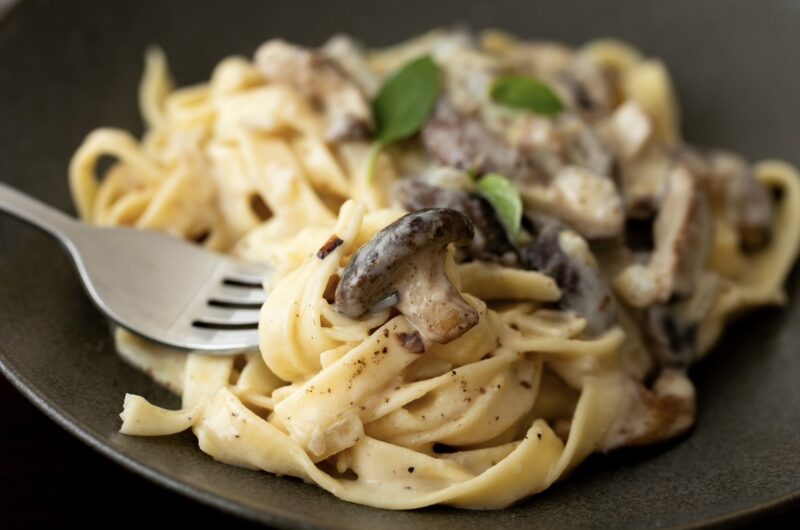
[250,164]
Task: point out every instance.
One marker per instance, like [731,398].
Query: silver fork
[157,286]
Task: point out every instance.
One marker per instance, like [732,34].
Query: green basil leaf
[505,199]
[406,100]
[522,92]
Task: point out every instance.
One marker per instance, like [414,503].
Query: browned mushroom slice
[407,259]
[654,415]
[461,140]
[682,236]
[586,199]
[672,341]
[564,256]
[671,329]
[321,80]
[682,233]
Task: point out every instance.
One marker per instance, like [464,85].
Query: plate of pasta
[510,283]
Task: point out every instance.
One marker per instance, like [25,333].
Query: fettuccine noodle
[245,164]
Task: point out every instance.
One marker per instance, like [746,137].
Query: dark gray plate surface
[67,67]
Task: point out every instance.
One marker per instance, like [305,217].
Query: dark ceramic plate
[70,66]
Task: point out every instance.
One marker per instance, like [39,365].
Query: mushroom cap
[370,274]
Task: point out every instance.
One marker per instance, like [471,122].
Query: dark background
[49,479]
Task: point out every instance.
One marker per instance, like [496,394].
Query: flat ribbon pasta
[242,164]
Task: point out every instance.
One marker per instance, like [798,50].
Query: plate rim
[286,520]
[75,427]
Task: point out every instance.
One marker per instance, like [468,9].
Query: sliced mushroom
[564,256]
[586,201]
[322,81]
[461,140]
[654,415]
[671,329]
[672,341]
[407,258]
[682,234]
[490,242]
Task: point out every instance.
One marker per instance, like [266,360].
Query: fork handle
[37,213]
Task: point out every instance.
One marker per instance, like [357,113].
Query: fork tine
[244,283]
[204,339]
[223,325]
[229,315]
[237,295]
[248,273]
[230,304]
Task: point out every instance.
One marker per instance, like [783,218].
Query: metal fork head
[170,291]
[157,286]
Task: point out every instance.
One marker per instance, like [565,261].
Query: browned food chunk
[564,256]
[459,140]
[407,259]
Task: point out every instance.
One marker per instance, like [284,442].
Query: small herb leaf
[406,100]
[522,92]
[505,200]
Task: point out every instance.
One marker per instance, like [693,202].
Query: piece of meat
[565,173]
[564,256]
[682,235]
[671,328]
[463,141]
[660,413]
[672,341]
